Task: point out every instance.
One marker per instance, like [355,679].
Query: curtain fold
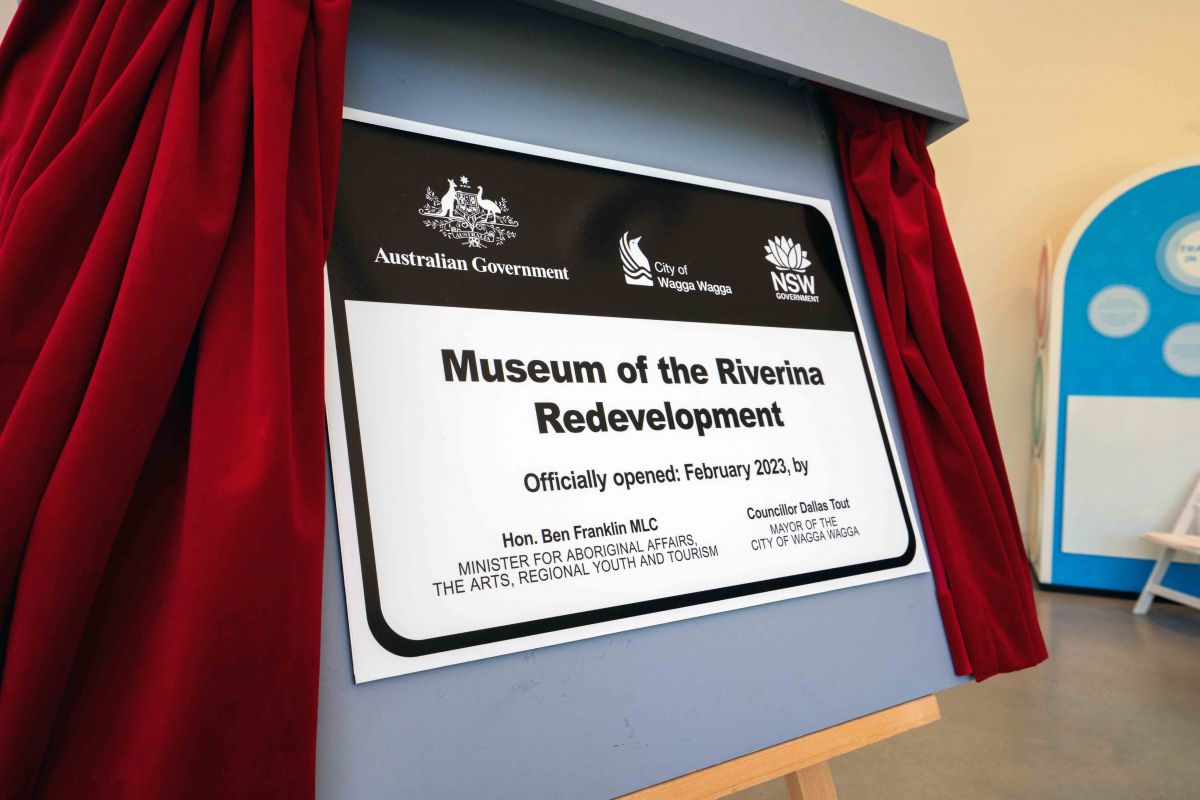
[167,172]
[931,344]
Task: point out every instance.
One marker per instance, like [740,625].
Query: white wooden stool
[1184,536]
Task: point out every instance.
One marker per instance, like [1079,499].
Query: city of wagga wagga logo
[790,277]
[463,214]
[676,277]
[634,261]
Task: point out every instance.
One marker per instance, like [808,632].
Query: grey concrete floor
[1114,713]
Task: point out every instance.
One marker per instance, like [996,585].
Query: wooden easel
[802,762]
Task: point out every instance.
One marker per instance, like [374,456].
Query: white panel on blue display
[1122,384]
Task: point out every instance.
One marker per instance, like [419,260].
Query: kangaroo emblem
[447,202]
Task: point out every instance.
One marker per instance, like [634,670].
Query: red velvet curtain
[933,353]
[166,189]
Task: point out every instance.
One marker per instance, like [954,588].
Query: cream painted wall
[1067,98]
[7,9]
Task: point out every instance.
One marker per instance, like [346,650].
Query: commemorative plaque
[569,397]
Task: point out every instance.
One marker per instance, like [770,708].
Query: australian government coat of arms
[463,214]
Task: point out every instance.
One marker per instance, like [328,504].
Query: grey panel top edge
[825,41]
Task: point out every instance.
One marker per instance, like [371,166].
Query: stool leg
[811,783]
[1156,575]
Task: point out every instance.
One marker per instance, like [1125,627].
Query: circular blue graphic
[1179,255]
[1181,350]
[1118,311]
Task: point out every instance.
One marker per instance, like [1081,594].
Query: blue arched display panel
[1122,398]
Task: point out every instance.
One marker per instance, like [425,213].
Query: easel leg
[811,783]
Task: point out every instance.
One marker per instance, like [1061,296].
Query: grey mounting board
[610,715]
[825,41]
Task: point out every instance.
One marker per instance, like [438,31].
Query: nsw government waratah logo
[790,277]
[463,214]
[637,266]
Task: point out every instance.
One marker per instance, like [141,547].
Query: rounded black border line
[402,646]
